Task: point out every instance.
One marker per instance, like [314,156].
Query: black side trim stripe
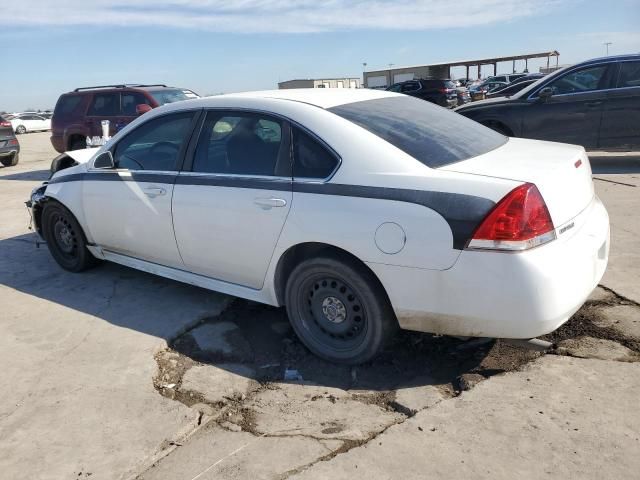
[462,212]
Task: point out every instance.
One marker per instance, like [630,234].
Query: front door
[574,112]
[229,209]
[621,117]
[128,210]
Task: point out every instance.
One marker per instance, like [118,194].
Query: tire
[339,310]
[21,129]
[65,238]
[78,143]
[12,161]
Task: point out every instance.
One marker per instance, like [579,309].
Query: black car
[439,91]
[9,146]
[595,104]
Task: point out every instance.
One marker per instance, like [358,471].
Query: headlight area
[34,207]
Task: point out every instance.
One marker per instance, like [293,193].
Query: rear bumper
[505,295]
[58,143]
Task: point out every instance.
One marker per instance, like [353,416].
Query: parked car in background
[439,91]
[463,95]
[78,114]
[510,89]
[235,193]
[30,122]
[506,78]
[9,145]
[595,104]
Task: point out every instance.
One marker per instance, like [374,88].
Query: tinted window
[579,81]
[130,101]
[395,88]
[67,104]
[629,75]
[171,95]
[241,144]
[431,134]
[311,159]
[154,145]
[410,87]
[105,105]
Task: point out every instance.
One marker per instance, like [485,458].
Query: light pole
[364,80]
[606,44]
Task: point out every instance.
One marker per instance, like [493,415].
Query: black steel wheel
[11,161]
[339,310]
[65,238]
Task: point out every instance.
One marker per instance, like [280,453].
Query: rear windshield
[431,134]
[170,95]
[67,104]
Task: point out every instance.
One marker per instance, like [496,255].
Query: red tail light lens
[519,221]
[12,142]
[5,124]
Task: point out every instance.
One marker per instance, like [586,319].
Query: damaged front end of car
[35,205]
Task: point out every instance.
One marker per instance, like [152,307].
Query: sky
[219,46]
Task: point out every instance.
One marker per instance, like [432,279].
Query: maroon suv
[79,114]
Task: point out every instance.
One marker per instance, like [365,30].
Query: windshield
[170,96]
[431,134]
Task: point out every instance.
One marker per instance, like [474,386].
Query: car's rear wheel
[20,129]
[65,238]
[78,143]
[10,161]
[339,310]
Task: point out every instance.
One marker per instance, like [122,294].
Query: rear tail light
[12,142]
[519,221]
[5,124]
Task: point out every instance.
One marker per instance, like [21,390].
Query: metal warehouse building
[387,77]
[321,83]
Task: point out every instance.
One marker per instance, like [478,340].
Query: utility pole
[364,80]
[606,44]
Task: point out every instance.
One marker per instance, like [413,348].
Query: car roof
[319,97]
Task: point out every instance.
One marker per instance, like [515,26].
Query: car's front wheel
[65,238]
[339,310]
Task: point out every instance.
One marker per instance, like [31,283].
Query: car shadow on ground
[33,175]
[153,305]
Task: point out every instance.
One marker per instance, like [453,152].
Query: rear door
[574,112]
[231,203]
[621,117]
[104,106]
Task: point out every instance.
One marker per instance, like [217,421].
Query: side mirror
[142,108]
[545,93]
[104,161]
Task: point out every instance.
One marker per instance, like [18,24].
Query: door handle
[267,203]
[153,192]
[593,104]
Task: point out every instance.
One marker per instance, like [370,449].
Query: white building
[321,83]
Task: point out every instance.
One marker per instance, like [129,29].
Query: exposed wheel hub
[334,310]
[64,236]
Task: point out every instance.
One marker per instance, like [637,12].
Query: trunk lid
[561,172]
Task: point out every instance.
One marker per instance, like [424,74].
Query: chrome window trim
[234,175]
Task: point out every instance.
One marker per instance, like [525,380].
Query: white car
[358,210]
[30,122]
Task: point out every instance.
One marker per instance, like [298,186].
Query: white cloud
[279,16]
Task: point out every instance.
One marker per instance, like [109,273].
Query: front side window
[242,144]
[395,88]
[130,101]
[105,105]
[432,135]
[411,87]
[579,81]
[169,95]
[154,145]
[311,159]
[629,75]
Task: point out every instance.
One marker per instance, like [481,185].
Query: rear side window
[105,105]
[430,134]
[241,143]
[67,104]
[311,159]
[129,102]
[629,75]
[154,145]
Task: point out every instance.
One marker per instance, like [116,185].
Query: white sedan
[30,122]
[358,210]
